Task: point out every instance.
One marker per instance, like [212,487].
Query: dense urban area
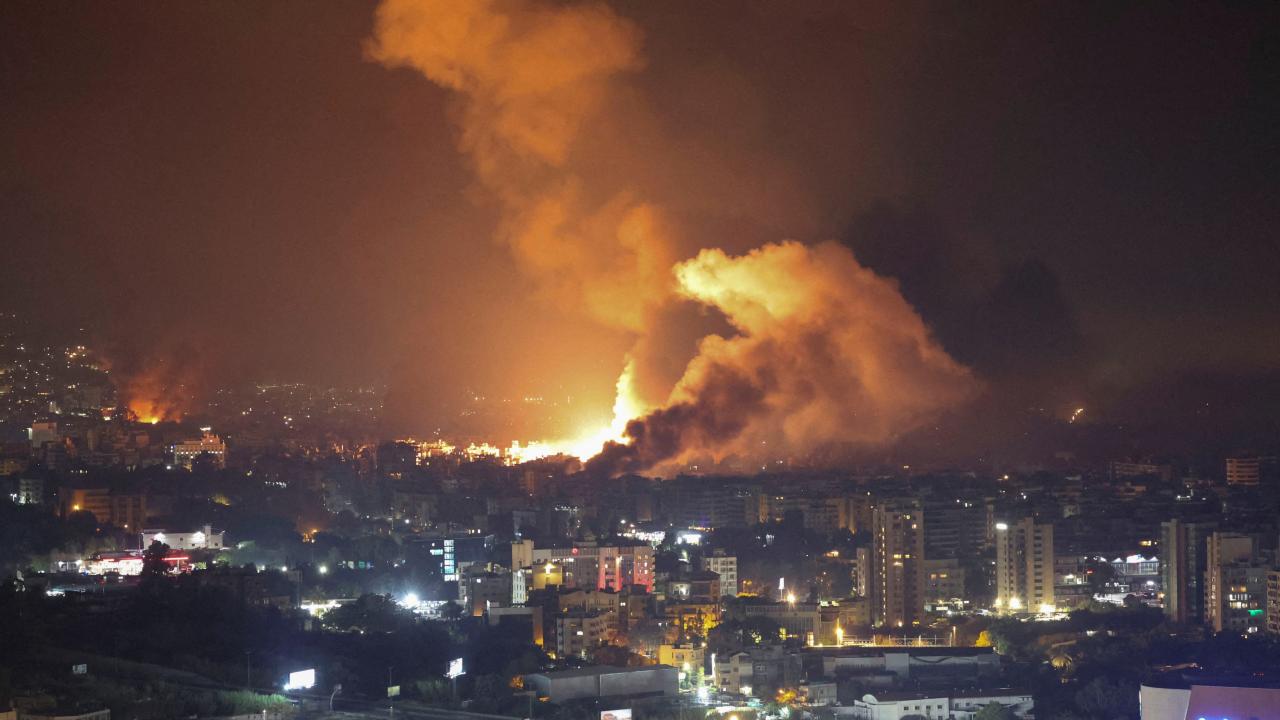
[267,555]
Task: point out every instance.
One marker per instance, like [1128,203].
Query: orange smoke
[826,351]
[529,75]
[161,388]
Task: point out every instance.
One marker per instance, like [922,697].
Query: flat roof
[591,670]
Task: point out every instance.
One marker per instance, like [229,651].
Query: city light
[301,680]
[620,331]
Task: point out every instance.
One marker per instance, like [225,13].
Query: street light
[336,689]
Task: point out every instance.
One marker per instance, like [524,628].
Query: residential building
[524,621]
[817,513]
[599,566]
[483,590]
[943,580]
[1123,469]
[957,528]
[1024,566]
[1273,602]
[30,491]
[897,588]
[1235,586]
[577,632]
[124,510]
[685,658]
[702,503]
[1250,471]
[726,566]
[43,432]
[1183,562]
[733,674]
[797,619]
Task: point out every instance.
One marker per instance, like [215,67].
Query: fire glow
[824,351]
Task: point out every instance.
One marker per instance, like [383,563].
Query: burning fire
[146,411]
[591,441]
[159,389]
[824,352]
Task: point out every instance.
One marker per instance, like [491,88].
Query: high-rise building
[1183,563]
[957,528]
[1273,602]
[1235,585]
[1250,470]
[1122,469]
[898,564]
[820,514]
[861,571]
[944,580]
[1024,566]
[726,566]
[705,504]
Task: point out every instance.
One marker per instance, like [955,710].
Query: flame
[588,443]
[151,411]
[824,351]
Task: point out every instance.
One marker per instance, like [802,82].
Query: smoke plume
[529,75]
[161,386]
[825,350]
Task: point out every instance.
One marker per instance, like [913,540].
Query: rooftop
[592,670]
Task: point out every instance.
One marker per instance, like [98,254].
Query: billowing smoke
[161,386]
[825,351]
[529,75]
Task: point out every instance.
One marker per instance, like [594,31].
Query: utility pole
[248,665]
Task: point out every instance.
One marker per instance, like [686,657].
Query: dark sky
[1080,198]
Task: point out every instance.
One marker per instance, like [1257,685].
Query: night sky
[1080,199]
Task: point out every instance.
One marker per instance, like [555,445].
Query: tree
[153,561]
[1108,699]
[451,611]
[370,613]
[994,711]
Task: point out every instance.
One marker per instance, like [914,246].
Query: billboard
[623,714]
[301,680]
[455,668]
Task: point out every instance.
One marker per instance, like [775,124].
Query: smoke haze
[825,351]
[1065,194]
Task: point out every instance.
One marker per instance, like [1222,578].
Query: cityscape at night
[639,360]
